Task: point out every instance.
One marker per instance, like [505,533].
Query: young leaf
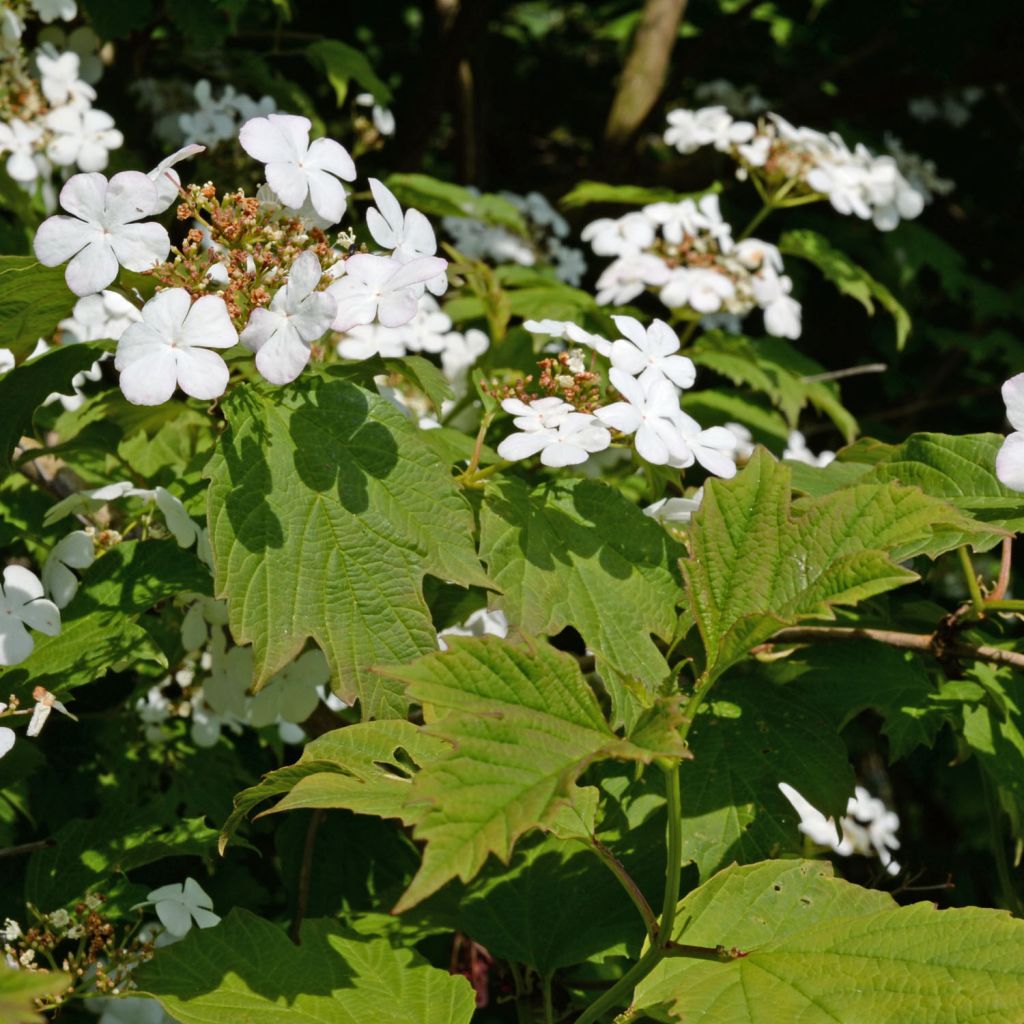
[589,192]
[748,739]
[342,63]
[823,951]
[758,564]
[444,199]
[850,278]
[246,969]
[33,299]
[357,768]
[326,510]
[577,553]
[523,725]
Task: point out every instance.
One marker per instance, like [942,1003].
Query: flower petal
[283,357]
[41,614]
[140,246]
[59,238]
[208,324]
[328,155]
[1010,462]
[1013,396]
[201,373]
[85,196]
[92,269]
[522,446]
[130,195]
[150,381]
[290,184]
[16,644]
[327,195]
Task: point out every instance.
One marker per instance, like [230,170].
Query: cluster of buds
[241,248]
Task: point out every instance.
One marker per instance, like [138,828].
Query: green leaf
[25,388]
[19,990]
[747,740]
[246,969]
[823,951]
[758,564]
[577,553]
[326,509]
[773,367]
[87,852]
[847,276]
[444,199]
[523,724]
[423,374]
[99,628]
[588,192]
[843,680]
[358,768]
[33,299]
[342,64]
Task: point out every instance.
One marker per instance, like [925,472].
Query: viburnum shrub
[441,641]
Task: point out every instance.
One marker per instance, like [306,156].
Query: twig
[1005,564]
[632,889]
[850,371]
[17,851]
[926,643]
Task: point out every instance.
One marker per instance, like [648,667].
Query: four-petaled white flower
[540,414]
[704,290]
[298,315]
[291,695]
[75,551]
[1010,460]
[675,510]
[576,437]
[84,137]
[713,447]
[169,348]
[648,353]
[567,329]
[408,236]
[60,80]
[22,604]
[381,287]
[50,10]
[295,167]
[651,411]
[102,231]
[179,905]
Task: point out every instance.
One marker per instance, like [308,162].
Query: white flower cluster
[868,827]
[217,119]
[54,124]
[1010,460]
[743,100]
[685,250]
[548,231]
[650,376]
[218,677]
[172,341]
[954,108]
[855,181]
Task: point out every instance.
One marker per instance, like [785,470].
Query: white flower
[166,179]
[84,137]
[797,450]
[648,352]
[689,130]
[782,313]
[675,510]
[7,737]
[409,236]
[179,905]
[650,410]
[383,119]
[7,360]
[81,41]
[539,415]
[576,437]
[231,671]
[295,168]
[714,447]
[102,232]
[381,287]
[19,138]
[567,329]
[625,278]
[22,604]
[75,551]
[868,827]
[11,29]
[620,236]
[427,331]
[179,522]
[461,351]
[755,254]
[169,348]
[744,440]
[570,263]
[129,1010]
[104,314]
[298,315]
[291,695]
[483,622]
[60,80]
[367,340]
[702,289]
[1010,460]
[87,502]
[51,10]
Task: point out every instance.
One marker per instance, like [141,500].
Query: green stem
[619,992]
[756,220]
[977,600]
[634,892]
[998,842]
[1004,606]
[523,1014]
[549,1009]
[674,855]
[688,333]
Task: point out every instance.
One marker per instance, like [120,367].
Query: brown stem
[305,875]
[632,889]
[1005,563]
[643,75]
[17,851]
[927,643]
[721,954]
